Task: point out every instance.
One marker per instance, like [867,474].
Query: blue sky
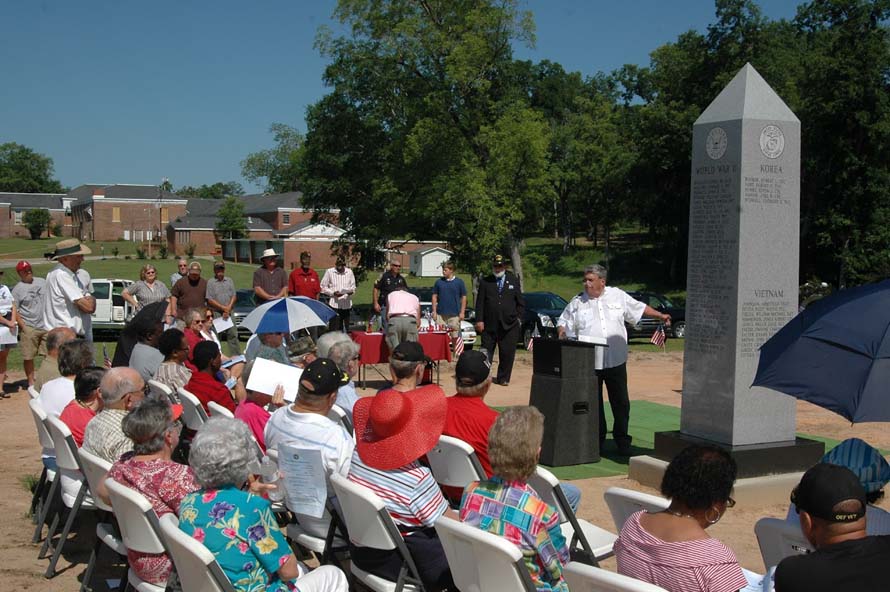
[131,92]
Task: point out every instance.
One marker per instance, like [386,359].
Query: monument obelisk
[742,277]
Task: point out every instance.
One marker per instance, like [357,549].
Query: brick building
[128,212]
[14,205]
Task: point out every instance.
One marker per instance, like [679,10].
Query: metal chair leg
[50,533]
[38,493]
[88,574]
[44,510]
[72,514]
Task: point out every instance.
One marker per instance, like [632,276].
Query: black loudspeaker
[564,389]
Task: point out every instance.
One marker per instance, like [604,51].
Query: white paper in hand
[266,375]
[7,336]
[221,324]
[305,484]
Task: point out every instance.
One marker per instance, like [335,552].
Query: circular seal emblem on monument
[716,145]
[772,141]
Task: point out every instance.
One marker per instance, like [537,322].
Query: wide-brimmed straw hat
[393,429]
[70,246]
[269,253]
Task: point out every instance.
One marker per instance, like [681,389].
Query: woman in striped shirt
[671,548]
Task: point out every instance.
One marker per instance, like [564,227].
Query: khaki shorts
[450,321]
[32,342]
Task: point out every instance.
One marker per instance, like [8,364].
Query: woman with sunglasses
[671,548]
[147,290]
[199,327]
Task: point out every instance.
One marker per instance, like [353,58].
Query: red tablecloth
[437,345]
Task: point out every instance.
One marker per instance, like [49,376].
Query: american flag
[658,338]
[531,341]
[458,346]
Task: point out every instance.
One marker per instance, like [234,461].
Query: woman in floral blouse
[237,526]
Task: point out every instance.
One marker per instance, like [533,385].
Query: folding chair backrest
[546,486]
[94,469]
[33,392]
[63,442]
[481,561]
[218,410]
[779,539]
[339,415]
[196,566]
[624,502]
[454,463]
[39,415]
[586,578]
[193,413]
[366,518]
[161,391]
[136,518]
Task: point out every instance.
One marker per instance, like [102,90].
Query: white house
[428,262]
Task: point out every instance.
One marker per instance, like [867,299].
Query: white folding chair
[586,578]
[162,391]
[33,392]
[778,539]
[218,410]
[75,491]
[44,492]
[193,414]
[595,542]
[370,525]
[483,562]
[454,463]
[338,414]
[624,502]
[139,528]
[196,566]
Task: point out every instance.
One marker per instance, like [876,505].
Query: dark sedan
[542,310]
[646,327]
[244,303]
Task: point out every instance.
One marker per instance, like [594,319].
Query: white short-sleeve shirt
[603,317]
[63,287]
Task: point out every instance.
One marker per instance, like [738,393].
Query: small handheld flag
[658,338]
[531,342]
[458,346]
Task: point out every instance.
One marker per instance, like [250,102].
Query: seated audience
[394,430]
[305,424]
[145,357]
[671,548]
[204,383]
[507,506]
[832,506]
[345,353]
[121,389]
[148,469]
[272,348]
[74,356]
[873,472]
[194,323]
[252,410]
[172,371]
[302,351]
[87,402]
[49,367]
[237,527]
[407,364]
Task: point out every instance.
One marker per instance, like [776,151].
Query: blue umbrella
[283,315]
[324,312]
[835,354]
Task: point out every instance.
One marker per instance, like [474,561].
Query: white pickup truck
[112,311]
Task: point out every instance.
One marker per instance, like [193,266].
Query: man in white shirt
[305,425]
[601,311]
[68,301]
[339,283]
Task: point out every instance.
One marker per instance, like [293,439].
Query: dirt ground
[654,377]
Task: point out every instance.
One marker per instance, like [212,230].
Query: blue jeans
[573,495]
[50,462]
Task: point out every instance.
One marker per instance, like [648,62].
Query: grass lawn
[24,248]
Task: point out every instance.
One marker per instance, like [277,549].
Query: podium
[564,389]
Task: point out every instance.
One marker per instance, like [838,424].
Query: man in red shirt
[203,383]
[468,417]
[304,280]
[86,403]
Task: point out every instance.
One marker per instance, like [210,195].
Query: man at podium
[601,311]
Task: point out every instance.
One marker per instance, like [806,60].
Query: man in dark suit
[500,305]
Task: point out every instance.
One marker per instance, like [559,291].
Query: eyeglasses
[730,503]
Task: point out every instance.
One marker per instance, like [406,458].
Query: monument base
[753,460]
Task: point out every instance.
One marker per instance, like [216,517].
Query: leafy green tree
[231,220]
[37,221]
[218,190]
[24,171]
[277,166]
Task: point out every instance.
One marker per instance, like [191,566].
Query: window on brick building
[115,214]
[183,237]
[18,218]
[165,215]
[285,218]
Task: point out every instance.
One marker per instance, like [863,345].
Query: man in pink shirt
[252,410]
[402,316]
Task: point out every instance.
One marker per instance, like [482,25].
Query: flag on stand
[658,338]
[531,342]
[458,346]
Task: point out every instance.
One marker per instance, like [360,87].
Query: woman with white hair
[237,526]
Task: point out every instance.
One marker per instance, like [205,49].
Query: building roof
[209,223]
[50,201]
[427,251]
[272,202]
[83,194]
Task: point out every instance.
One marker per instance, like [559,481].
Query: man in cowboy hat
[68,299]
[393,431]
[269,281]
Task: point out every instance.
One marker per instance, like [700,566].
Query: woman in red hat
[394,430]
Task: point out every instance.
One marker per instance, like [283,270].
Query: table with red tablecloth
[435,344]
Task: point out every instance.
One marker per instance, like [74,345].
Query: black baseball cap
[824,486]
[322,377]
[472,368]
[409,351]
